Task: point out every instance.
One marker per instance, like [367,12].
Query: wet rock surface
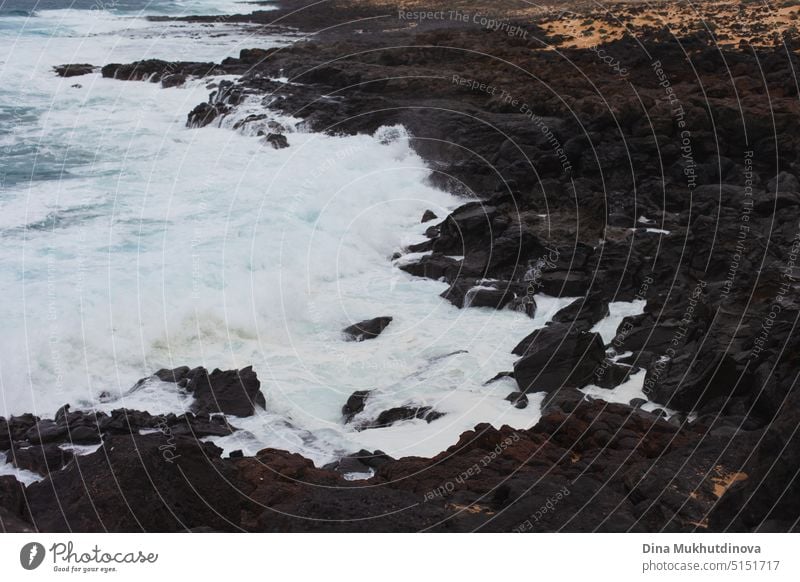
[234,392]
[557,356]
[74,70]
[367,329]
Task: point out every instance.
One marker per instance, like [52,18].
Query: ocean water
[132,7]
[131,243]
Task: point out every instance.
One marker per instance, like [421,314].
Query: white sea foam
[164,246]
[629,390]
[23,475]
[617,311]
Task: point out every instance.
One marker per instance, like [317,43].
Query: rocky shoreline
[659,165]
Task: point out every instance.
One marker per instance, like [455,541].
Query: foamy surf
[146,245]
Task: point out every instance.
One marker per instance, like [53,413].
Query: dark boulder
[46,431]
[255,56]
[41,459]
[5,435]
[401,413]
[693,378]
[518,399]
[235,392]
[176,80]
[428,215]
[367,329]
[610,375]
[83,435]
[583,313]
[524,304]
[488,297]
[355,404]
[74,70]
[435,266]
[472,220]
[202,115]
[199,425]
[277,141]
[558,356]
[432,231]
[457,292]
[155,70]
[181,375]
[17,427]
[125,421]
[563,400]
[565,283]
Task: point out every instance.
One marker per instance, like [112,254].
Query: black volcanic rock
[489,297]
[694,378]
[355,404]
[277,141]
[5,437]
[428,215]
[139,483]
[583,313]
[16,428]
[400,413]
[457,292]
[556,356]
[203,115]
[46,431]
[156,70]
[41,459]
[610,375]
[764,494]
[367,329]
[235,392]
[563,400]
[434,266]
[74,70]
[565,283]
[175,80]
[125,421]
[180,375]
[518,399]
